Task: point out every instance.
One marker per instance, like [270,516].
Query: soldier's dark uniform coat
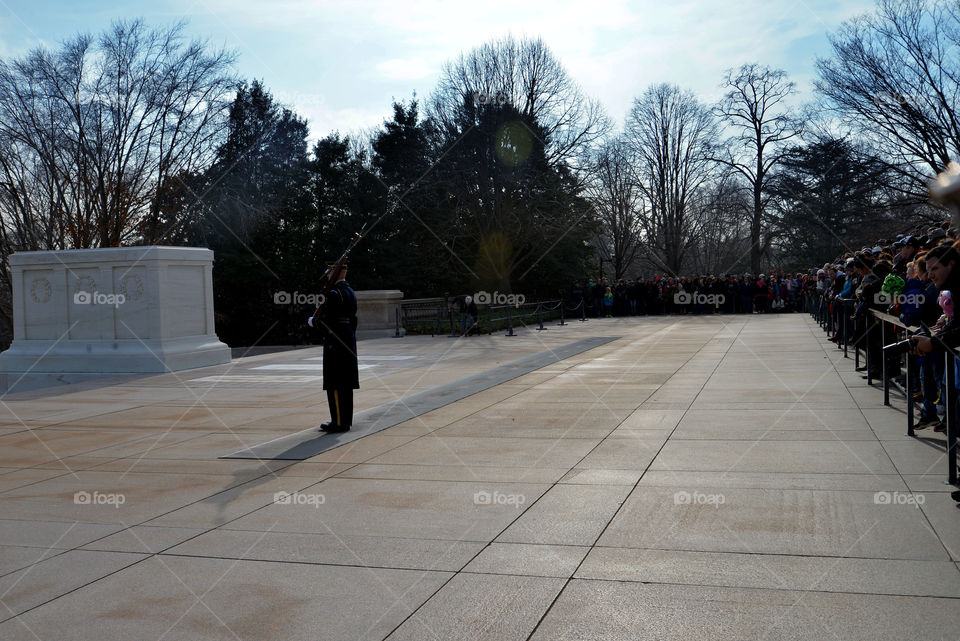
[338,323]
[338,326]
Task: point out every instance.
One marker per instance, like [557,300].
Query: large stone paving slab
[127,498]
[332,548]
[232,502]
[801,418]
[28,448]
[479,451]
[686,479]
[850,457]
[410,472]
[57,575]
[144,539]
[482,607]
[613,610]
[58,535]
[568,515]
[808,522]
[15,557]
[528,559]
[622,453]
[475,511]
[220,599]
[773,571]
[529,426]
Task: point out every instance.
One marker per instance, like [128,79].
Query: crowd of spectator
[708,294]
[913,278]
[893,277]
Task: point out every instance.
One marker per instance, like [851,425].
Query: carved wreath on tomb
[131,286]
[40,290]
[86,284]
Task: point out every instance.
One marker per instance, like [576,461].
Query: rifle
[329,276]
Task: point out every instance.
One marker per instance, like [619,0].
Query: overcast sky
[340,64]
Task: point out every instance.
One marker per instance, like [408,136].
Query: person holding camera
[941,264]
[869,296]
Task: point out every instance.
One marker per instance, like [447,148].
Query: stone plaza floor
[727,477]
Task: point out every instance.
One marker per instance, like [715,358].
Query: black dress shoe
[333,427]
[955,495]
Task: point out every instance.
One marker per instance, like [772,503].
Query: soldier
[337,323]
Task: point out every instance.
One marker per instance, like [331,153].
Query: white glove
[310,321]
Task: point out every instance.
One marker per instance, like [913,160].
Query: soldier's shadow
[269,470]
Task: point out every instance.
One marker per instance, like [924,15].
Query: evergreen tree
[257,215]
[831,200]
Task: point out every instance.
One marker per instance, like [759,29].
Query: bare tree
[619,205]
[723,242]
[670,134]
[755,110]
[92,135]
[526,75]
[895,79]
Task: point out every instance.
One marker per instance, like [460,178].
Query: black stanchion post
[951,406]
[509,323]
[866,348]
[909,388]
[396,319]
[845,334]
[440,312]
[841,327]
[583,311]
[883,362]
[561,313]
[540,316]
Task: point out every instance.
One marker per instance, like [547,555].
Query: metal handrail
[888,322]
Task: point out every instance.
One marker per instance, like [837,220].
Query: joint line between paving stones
[626,498]
[726,585]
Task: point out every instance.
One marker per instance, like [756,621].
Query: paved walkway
[696,478]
